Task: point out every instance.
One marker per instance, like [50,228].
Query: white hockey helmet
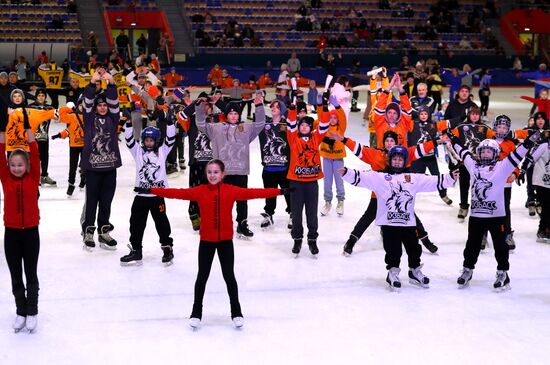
[482,152]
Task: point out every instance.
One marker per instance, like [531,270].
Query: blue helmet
[150,132]
[398,151]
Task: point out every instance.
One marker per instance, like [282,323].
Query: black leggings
[196,178]
[477,227]
[74,156]
[226,255]
[22,247]
[543,196]
[393,237]
[44,150]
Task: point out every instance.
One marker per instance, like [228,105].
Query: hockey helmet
[398,151]
[482,149]
[153,133]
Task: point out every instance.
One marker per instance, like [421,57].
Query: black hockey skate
[543,236]
[465,277]
[70,190]
[429,244]
[133,258]
[88,238]
[297,247]
[532,207]
[168,255]
[312,243]
[416,277]
[462,213]
[196,222]
[510,241]
[181,163]
[243,231]
[106,242]
[393,278]
[267,220]
[502,282]
[348,246]
[447,200]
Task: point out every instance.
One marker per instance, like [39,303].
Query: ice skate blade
[194,323]
[88,248]
[393,289]
[169,263]
[314,256]
[107,247]
[243,237]
[460,220]
[345,254]
[502,289]
[419,285]
[131,263]
[542,240]
[463,286]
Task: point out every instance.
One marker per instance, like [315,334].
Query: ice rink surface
[297,311]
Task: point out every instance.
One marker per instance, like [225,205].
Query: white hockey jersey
[396,193]
[487,182]
[541,171]
[150,165]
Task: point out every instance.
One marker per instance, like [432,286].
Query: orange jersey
[226,82]
[74,127]
[264,81]
[403,126]
[16,136]
[305,160]
[252,88]
[375,91]
[337,149]
[215,76]
[172,80]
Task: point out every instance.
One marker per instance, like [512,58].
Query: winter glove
[287,191]
[160,100]
[334,101]
[532,139]
[142,190]
[521,178]
[326,97]
[452,137]
[56,136]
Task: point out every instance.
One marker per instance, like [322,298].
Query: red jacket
[216,206]
[21,194]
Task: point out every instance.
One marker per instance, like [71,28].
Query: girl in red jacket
[216,201]
[20,177]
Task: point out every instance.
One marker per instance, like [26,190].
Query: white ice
[297,311]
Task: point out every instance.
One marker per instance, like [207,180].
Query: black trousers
[22,247]
[436,95]
[477,227]
[197,177]
[75,153]
[100,190]
[508,218]
[242,205]
[428,162]
[543,196]
[464,183]
[177,149]
[484,99]
[306,195]
[44,151]
[226,255]
[274,179]
[531,191]
[354,98]
[393,237]
[141,207]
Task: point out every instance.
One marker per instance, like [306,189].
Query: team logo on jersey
[148,174]
[546,176]
[407,178]
[398,204]
[102,154]
[274,149]
[480,189]
[267,127]
[387,177]
[202,148]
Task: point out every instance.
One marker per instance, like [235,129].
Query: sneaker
[312,243]
[243,231]
[133,258]
[267,221]
[326,208]
[393,277]
[289,225]
[19,323]
[447,200]
[462,214]
[196,222]
[70,189]
[194,322]
[465,276]
[105,240]
[31,323]
[181,164]
[168,255]
[297,246]
[510,241]
[88,238]
[238,322]
[502,282]
[429,244]
[348,246]
[416,277]
[484,242]
[340,208]
[46,180]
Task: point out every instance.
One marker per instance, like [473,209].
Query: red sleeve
[183,194]
[3,162]
[35,161]
[528,98]
[247,193]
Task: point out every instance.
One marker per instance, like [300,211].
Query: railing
[55,51]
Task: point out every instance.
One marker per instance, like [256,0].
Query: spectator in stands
[71,7]
[409,12]
[316,4]
[517,64]
[142,44]
[21,68]
[173,79]
[464,43]
[93,42]
[42,58]
[293,63]
[459,106]
[302,11]
[330,62]
[430,34]
[283,75]
[73,91]
[122,42]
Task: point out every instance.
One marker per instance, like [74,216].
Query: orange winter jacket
[74,127]
[375,92]
[335,150]
[16,136]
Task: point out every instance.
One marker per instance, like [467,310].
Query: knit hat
[395,107]
[308,120]
[41,91]
[180,92]
[4,74]
[17,91]
[100,98]
[423,108]
[232,107]
[301,106]
[390,134]
[13,73]
[203,95]
[541,115]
